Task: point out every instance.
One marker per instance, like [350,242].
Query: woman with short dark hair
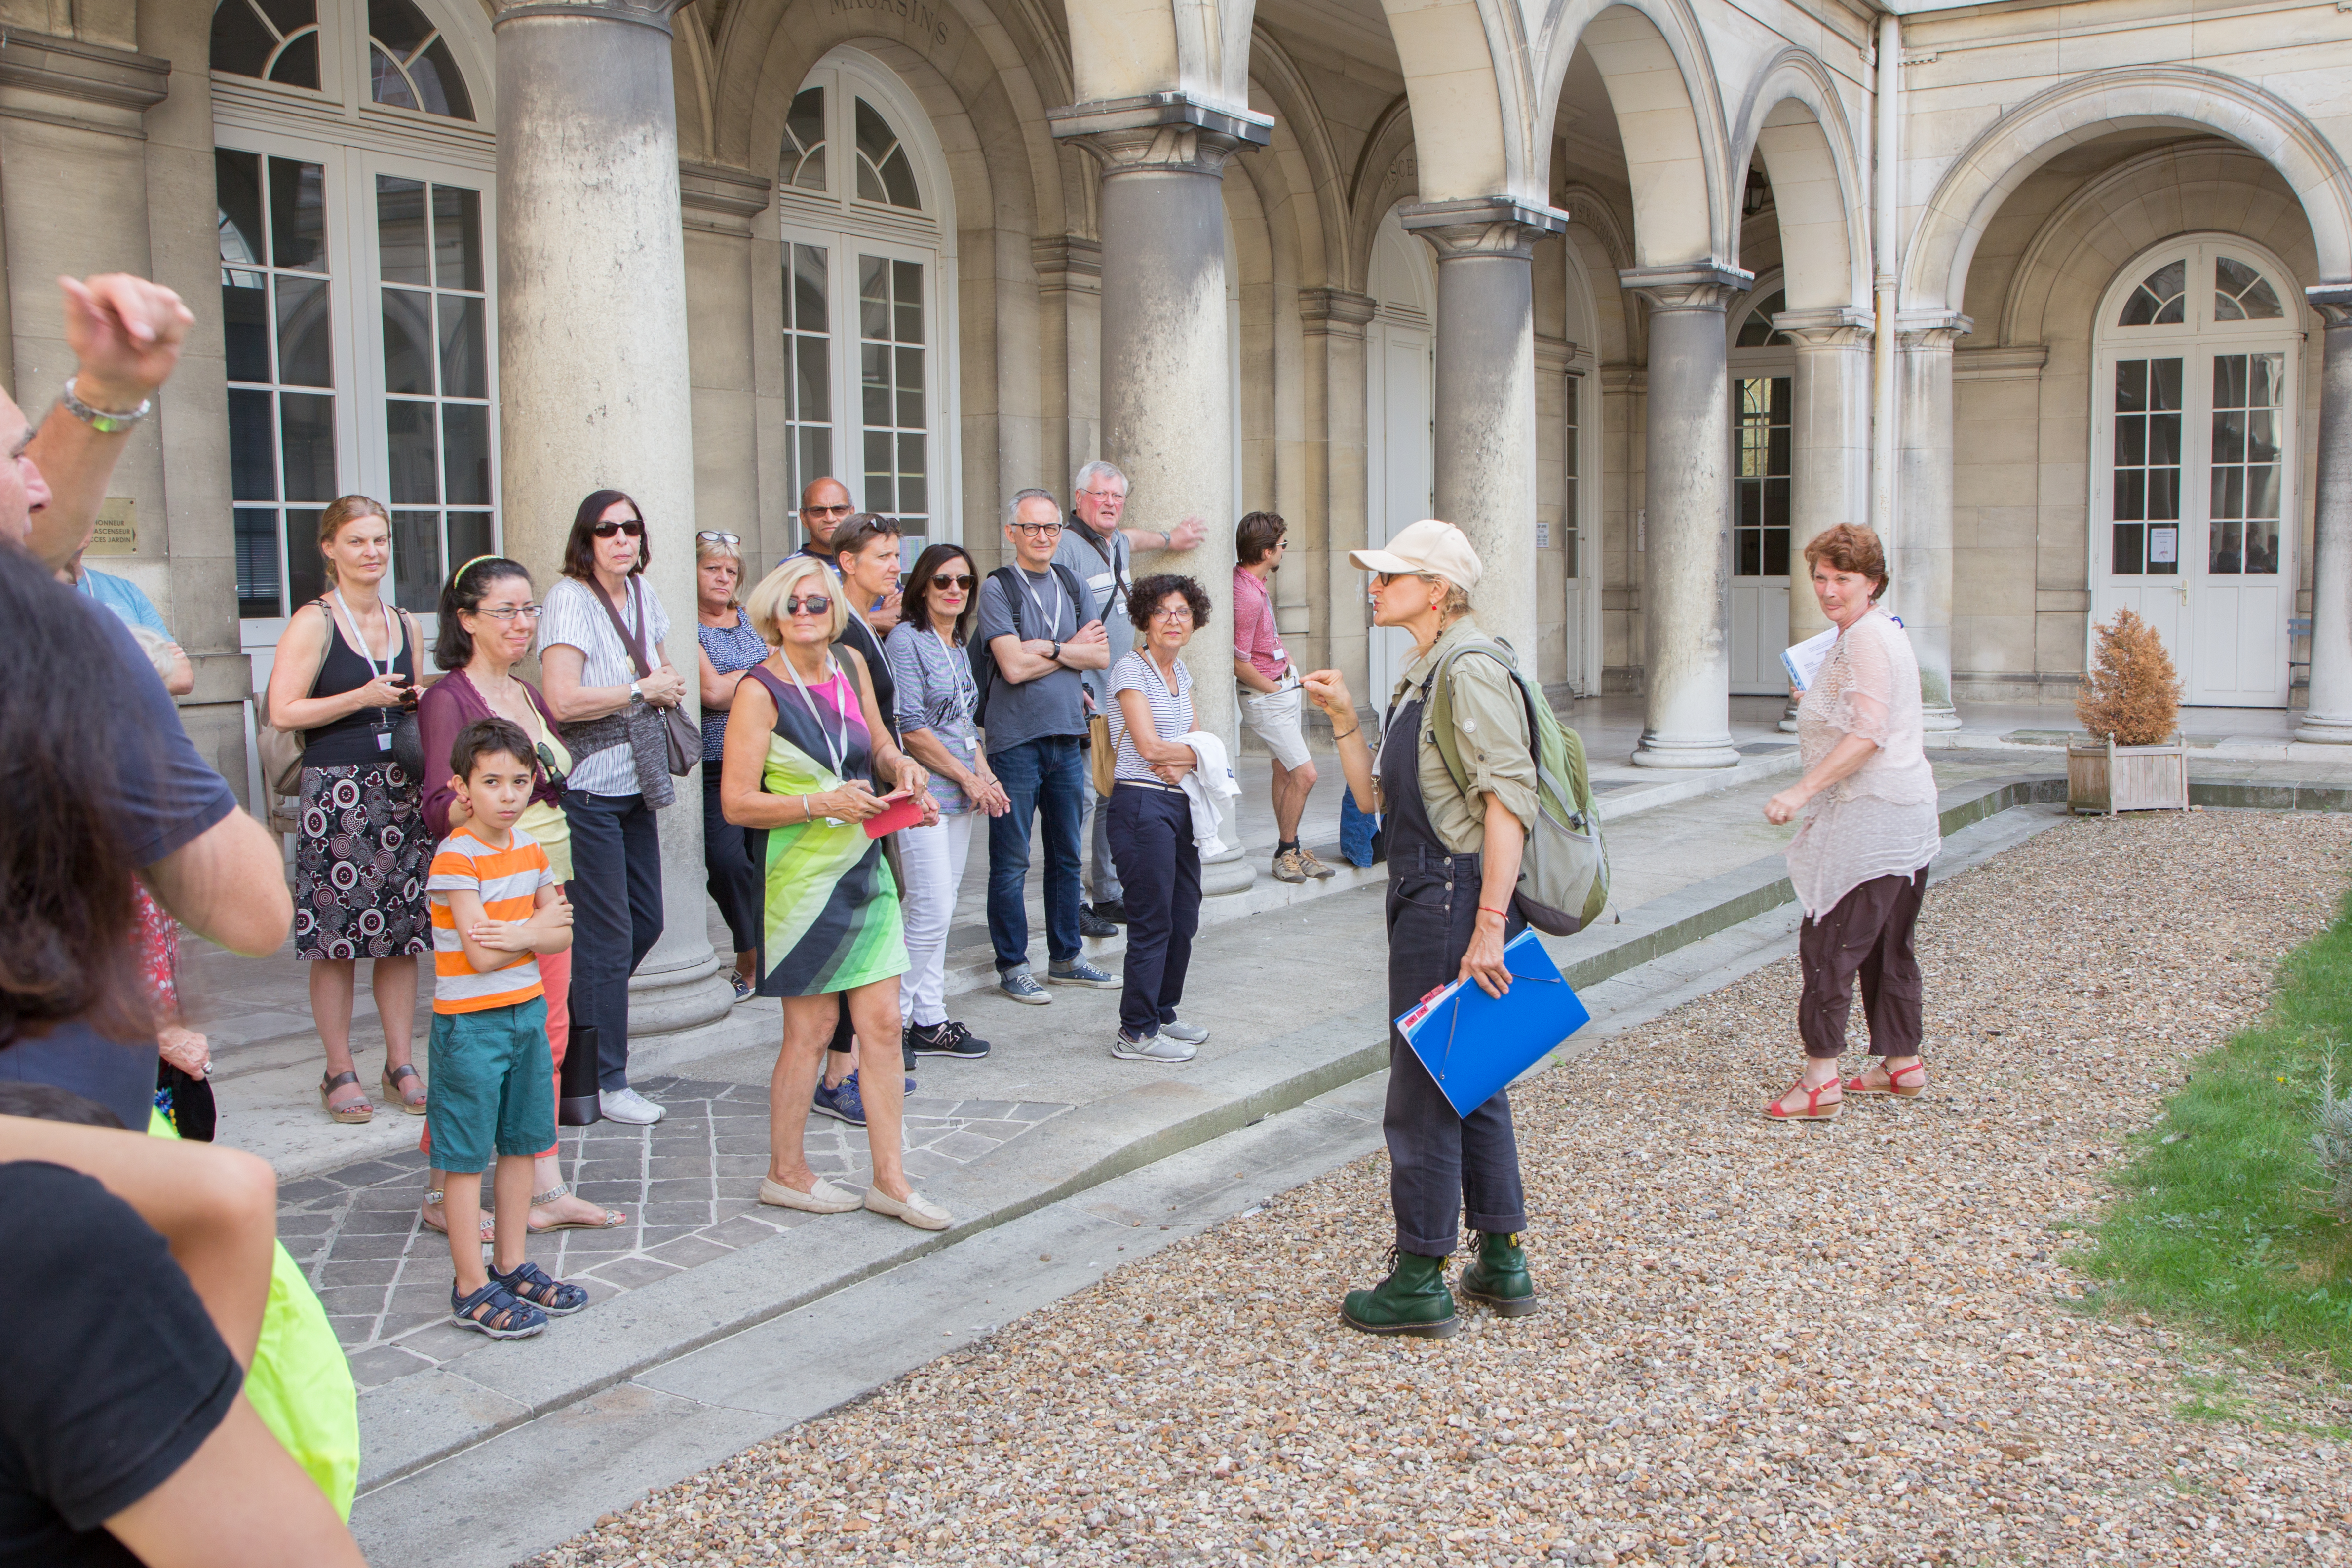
[597,616]
[1859,863]
[932,667]
[1151,823]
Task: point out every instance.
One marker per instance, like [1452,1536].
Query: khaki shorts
[1274,718]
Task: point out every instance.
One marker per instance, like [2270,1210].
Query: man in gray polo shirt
[1101,555]
[1041,635]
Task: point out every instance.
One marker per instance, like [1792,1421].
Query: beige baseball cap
[1428,545]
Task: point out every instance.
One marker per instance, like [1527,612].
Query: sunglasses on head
[635,528]
[713,537]
[813,604]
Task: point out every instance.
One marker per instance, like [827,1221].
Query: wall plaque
[117,530]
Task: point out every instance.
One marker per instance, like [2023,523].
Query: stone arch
[1653,59]
[1388,171]
[1973,188]
[1309,185]
[1466,64]
[1795,120]
[1125,48]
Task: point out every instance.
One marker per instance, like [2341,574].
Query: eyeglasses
[1106,494]
[1037,530]
[841,511]
[963,582]
[711,537]
[635,528]
[1172,612]
[509,612]
[814,604]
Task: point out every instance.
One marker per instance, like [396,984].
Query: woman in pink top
[1859,863]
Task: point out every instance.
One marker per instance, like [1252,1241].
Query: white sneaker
[629,1106]
[1158,1048]
[1186,1033]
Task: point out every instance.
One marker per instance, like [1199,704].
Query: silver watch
[634,694]
[98,419]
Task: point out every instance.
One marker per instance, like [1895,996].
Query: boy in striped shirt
[495,910]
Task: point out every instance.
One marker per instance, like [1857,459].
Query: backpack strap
[1437,704]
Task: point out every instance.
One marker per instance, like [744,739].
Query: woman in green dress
[803,739]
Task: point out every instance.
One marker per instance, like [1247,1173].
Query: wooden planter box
[2110,778]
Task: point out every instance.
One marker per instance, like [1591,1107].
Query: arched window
[2193,411]
[356,280]
[861,201]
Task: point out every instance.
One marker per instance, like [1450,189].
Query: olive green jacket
[1492,726]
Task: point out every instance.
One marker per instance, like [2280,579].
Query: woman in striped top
[1151,824]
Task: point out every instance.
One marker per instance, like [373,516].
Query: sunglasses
[826,511]
[814,604]
[635,528]
[712,536]
[547,760]
[963,582]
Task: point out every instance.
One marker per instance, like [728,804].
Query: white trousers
[934,858]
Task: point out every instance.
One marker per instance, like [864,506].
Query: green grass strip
[2225,1220]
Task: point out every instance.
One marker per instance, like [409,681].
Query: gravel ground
[1850,1344]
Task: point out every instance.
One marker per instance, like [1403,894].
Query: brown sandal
[350,1115]
[393,1079]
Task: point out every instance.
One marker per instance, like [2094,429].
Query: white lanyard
[1055,618]
[839,752]
[358,646]
[960,670]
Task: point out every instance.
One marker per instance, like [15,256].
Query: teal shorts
[493,1085]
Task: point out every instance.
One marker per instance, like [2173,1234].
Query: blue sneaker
[841,1102]
[1078,972]
[1023,987]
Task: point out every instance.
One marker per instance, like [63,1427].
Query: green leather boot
[1499,1277]
[1412,1300]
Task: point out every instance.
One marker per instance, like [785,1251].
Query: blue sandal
[530,1282]
[494,1311]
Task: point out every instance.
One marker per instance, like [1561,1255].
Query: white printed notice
[2163,545]
[1804,661]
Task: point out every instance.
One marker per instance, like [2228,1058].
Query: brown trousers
[1866,933]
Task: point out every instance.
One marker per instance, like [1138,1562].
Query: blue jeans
[1048,777]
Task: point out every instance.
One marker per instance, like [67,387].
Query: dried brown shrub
[2132,691]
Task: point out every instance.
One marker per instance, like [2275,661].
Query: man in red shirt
[1271,703]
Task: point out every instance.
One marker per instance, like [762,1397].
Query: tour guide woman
[1860,862]
[1454,860]
[802,738]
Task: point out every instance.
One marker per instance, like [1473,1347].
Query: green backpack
[1563,870]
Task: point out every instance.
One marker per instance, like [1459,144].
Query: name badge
[384,740]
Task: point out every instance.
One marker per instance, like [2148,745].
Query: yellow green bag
[299,1384]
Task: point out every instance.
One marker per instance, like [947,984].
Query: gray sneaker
[1159,1048]
[1023,987]
[1177,1029]
[1078,972]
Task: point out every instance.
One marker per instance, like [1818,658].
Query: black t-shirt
[112,1373]
[162,796]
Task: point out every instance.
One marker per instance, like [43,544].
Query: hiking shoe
[1078,972]
[1412,1300]
[1312,866]
[628,1107]
[1499,1277]
[1111,909]
[947,1039]
[1189,1033]
[1023,987]
[1093,925]
[1158,1047]
[1289,867]
[842,1102]
[495,1311]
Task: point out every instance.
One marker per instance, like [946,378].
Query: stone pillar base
[2324,729]
[1658,751]
[1939,719]
[1228,873]
[683,994]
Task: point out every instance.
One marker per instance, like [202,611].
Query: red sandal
[1813,1111]
[1892,1085]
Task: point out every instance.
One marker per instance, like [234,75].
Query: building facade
[1642,294]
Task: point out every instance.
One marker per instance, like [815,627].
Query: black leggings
[1867,933]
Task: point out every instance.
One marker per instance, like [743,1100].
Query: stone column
[2327,715]
[593,386]
[1922,546]
[1486,396]
[1830,471]
[1069,314]
[1687,714]
[1167,391]
[1333,322]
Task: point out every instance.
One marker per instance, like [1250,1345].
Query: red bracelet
[1486,909]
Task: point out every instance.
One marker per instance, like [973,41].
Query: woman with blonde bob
[803,739]
[346,671]
[1859,863]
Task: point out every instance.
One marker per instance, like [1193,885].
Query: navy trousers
[1160,867]
[616,916]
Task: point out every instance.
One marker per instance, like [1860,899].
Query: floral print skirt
[360,864]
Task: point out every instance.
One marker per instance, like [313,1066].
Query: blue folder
[1475,1044]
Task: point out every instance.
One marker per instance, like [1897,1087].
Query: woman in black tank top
[345,674]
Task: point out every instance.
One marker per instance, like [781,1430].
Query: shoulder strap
[1077,592]
[634,643]
[1437,704]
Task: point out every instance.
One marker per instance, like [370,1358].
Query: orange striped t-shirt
[509,881]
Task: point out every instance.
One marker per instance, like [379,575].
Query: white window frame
[845,226]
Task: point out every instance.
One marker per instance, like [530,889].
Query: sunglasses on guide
[635,528]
